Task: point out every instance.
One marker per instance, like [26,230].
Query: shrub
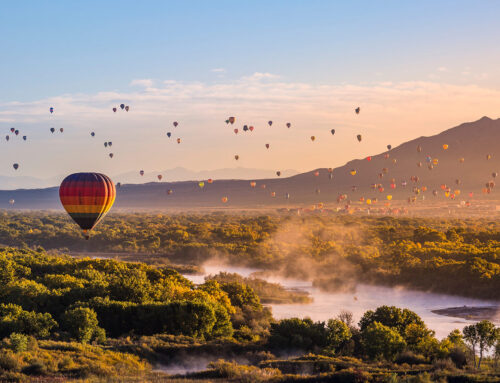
[18,342]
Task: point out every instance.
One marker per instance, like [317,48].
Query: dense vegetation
[107,320]
[450,256]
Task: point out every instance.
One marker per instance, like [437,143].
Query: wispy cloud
[146,82]
[218,70]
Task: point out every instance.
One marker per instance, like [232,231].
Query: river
[367,297]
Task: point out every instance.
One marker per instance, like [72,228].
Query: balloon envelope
[87,197]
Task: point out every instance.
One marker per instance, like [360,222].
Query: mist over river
[366,297]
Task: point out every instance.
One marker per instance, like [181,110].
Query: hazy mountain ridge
[471,141]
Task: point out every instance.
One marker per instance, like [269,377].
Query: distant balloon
[52,130]
[389,147]
[201,184]
[159,176]
[235,131]
[61,130]
[278,173]
[273,194]
[169,134]
[287,195]
[119,185]
[169,191]
[16,132]
[494,174]
[359,137]
[267,146]
[178,140]
[15,166]
[353,172]
[445,146]
[122,106]
[313,138]
[105,144]
[316,173]
[127,108]
[232,120]
[236,157]
[25,138]
[357,110]
[288,125]
[210,180]
[141,172]
[224,199]
[389,197]
[111,155]
[488,156]
[175,123]
[368,158]
[419,148]
[251,128]
[253,184]
[114,110]
[110,143]
[7,138]
[12,130]
[245,128]
[92,134]
[263,186]
[12,202]
[51,110]
[332,131]
[270,123]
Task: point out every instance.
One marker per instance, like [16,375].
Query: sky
[413,67]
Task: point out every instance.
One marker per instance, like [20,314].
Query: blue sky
[68,52]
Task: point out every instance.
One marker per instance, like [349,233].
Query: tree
[338,334]
[82,324]
[483,335]
[380,341]
[295,333]
[14,319]
[391,316]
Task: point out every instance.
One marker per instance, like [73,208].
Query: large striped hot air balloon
[87,197]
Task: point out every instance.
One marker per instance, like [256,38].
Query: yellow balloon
[368,201]
[201,184]
[389,197]
[353,172]
[445,146]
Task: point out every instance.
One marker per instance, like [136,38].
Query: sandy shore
[491,313]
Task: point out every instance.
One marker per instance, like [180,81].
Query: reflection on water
[328,305]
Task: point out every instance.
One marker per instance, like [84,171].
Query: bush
[409,357]
[36,367]
[18,342]
[82,325]
[8,362]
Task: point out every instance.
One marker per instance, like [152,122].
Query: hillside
[471,141]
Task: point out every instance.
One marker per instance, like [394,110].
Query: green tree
[380,341]
[82,324]
[338,334]
[482,335]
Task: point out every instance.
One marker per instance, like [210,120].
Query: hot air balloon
[92,134]
[389,197]
[386,156]
[330,176]
[141,172]
[359,137]
[369,158]
[12,130]
[105,144]
[316,173]
[169,191]
[445,146]
[332,131]
[127,108]
[353,172]
[267,146]
[52,130]
[61,130]
[12,202]
[227,121]
[16,132]
[7,138]
[178,140]
[313,138]
[251,128]
[471,194]
[419,148]
[393,186]
[236,157]
[235,131]
[389,147]
[462,160]
[488,156]
[119,184]
[435,193]
[169,134]
[278,173]
[110,143]
[287,195]
[114,110]
[210,180]
[159,176]
[122,106]
[245,128]
[273,194]
[232,120]
[253,184]
[419,164]
[263,186]
[51,110]
[224,199]
[15,166]
[357,110]
[288,125]
[87,197]
[494,174]
[111,155]
[25,138]
[270,123]
[201,184]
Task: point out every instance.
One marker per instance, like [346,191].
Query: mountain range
[471,158]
